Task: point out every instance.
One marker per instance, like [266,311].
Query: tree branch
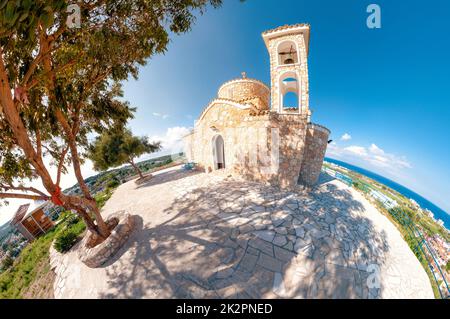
[17,126]
[38,143]
[61,165]
[74,152]
[21,188]
[23,196]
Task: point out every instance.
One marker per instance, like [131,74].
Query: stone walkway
[211,236]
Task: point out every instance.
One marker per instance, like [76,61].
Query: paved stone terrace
[210,236]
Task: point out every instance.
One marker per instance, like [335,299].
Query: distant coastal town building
[414,203]
[388,202]
[440,222]
[429,213]
[264,133]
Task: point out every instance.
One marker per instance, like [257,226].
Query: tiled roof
[21,211]
[286,27]
[219,100]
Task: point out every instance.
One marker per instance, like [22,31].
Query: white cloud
[172,140]
[163,116]
[376,150]
[357,150]
[374,156]
[346,137]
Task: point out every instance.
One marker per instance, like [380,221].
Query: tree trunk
[82,206]
[87,220]
[102,226]
[90,201]
[136,168]
[12,116]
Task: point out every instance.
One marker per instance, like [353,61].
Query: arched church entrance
[218,152]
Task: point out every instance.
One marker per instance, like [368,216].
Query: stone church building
[264,133]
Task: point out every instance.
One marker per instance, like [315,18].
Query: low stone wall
[144,179]
[98,255]
[156,169]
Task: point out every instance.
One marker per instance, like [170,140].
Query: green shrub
[71,220]
[6,263]
[102,197]
[65,240]
[113,183]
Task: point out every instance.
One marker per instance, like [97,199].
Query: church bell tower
[288,48]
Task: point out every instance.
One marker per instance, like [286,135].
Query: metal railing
[421,247]
[424,249]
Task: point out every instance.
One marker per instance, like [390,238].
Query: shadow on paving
[324,178]
[167,177]
[246,240]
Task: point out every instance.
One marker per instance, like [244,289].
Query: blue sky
[388,89]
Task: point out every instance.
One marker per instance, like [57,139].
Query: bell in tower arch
[289,61]
[287,53]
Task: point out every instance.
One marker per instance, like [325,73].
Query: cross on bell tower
[288,49]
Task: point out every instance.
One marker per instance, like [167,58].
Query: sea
[423,202]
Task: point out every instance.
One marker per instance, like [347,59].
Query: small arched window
[287,53]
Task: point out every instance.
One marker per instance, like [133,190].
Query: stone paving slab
[211,236]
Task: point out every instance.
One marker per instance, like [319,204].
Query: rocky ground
[211,236]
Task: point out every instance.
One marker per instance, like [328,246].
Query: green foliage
[117,147]
[72,226]
[447,266]
[102,197]
[7,262]
[65,240]
[361,186]
[33,261]
[113,183]
[87,66]
[27,267]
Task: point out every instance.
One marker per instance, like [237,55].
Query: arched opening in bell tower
[289,92]
[287,53]
[290,101]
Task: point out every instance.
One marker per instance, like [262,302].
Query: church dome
[241,89]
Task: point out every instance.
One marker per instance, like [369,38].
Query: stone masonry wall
[236,129]
[292,132]
[267,148]
[316,146]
